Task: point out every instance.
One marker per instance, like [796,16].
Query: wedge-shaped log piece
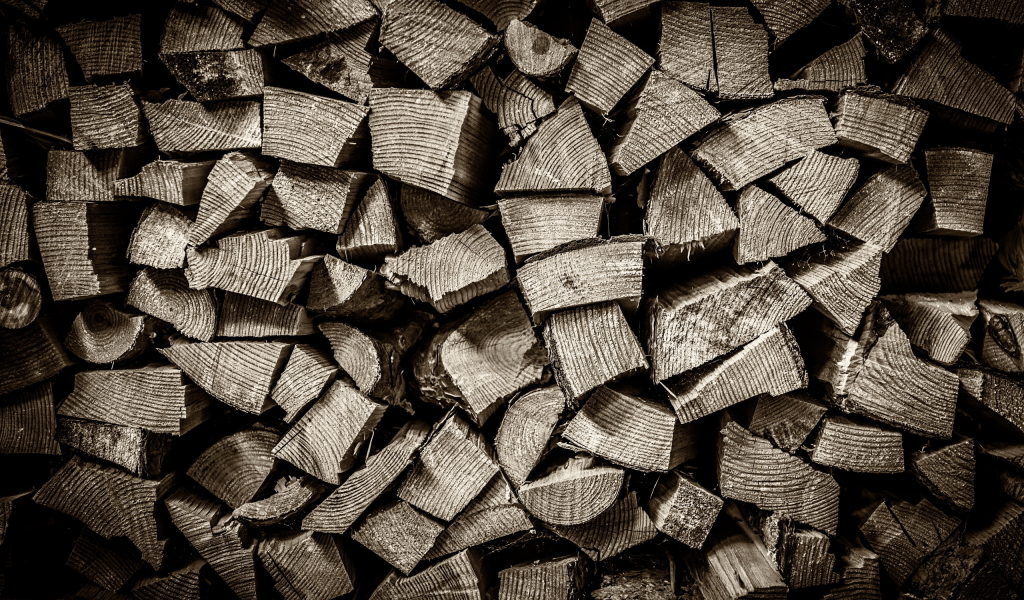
[1003,327]
[896,550]
[141,452]
[431,216]
[156,397]
[340,289]
[248,317]
[892,27]
[106,48]
[186,126]
[879,211]
[615,530]
[878,125]
[304,19]
[234,185]
[661,114]
[842,282]
[371,360]
[27,422]
[786,17]
[751,470]
[936,264]
[103,333]
[770,364]
[398,533]
[30,355]
[686,49]
[502,12]
[607,67]
[453,467]
[590,346]
[458,44]
[439,142]
[703,318]
[108,563]
[105,117]
[525,432]
[262,264]
[614,10]
[562,156]
[493,514]
[314,197]
[939,324]
[562,578]
[753,143]
[801,553]
[83,246]
[112,503]
[741,54]
[787,419]
[197,28]
[324,440]
[185,583]
[235,468]
[291,496]
[817,183]
[769,228]
[423,272]
[948,472]
[346,503]
[306,565]
[536,224]
[372,232]
[223,543]
[574,492]
[171,181]
[312,129]
[996,392]
[308,373]
[518,102]
[535,52]
[461,576]
[160,238]
[14,226]
[22,299]
[958,180]
[839,68]
[218,74]
[165,295]
[857,445]
[683,510]
[860,574]
[239,374]
[90,175]
[36,76]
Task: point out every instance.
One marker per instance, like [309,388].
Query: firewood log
[398,533]
[590,346]
[340,289]
[140,451]
[562,578]
[948,568]
[235,468]
[536,224]
[83,246]
[493,514]
[291,496]
[1003,327]
[438,157]
[195,28]
[857,445]
[607,66]
[431,216]
[686,48]
[958,182]
[186,126]
[218,74]
[535,52]
[1000,532]
[105,117]
[223,543]
[36,77]
[323,442]
[185,583]
[836,69]
[770,136]
[314,197]
[369,359]
[842,282]
[801,553]
[525,431]
[106,48]
[160,238]
[112,503]
[156,397]
[615,530]
[460,576]
[996,392]
[262,264]
[787,419]
[936,264]
[892,27]
[986,582]
[817,183]
[562,156]
[165,295]
[102,333]
[346,503]
[787,17]
[170,181]
[741,54]
[622,11]
[304,19]
[648,574]
[902,536]
[234,185]
[306,565]
[312,129]
[683,510]
[878,211]
[518,102]
[502,12]
[1004,11]
[27,422]
[108,563]
[948,472]
[30,355]
[90,175]
[1009,455]
[878,125]
[939,324]
[372,232]
[14,225]
[751,470]
[859,575]
[248,317]
[574,492]
[769,228]
[22,299]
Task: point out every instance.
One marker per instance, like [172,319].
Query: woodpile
[512,299]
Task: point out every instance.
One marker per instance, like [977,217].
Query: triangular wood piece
[314,197]
[493,514]
[398,533]
[948,472]
[291,496]
[573,493]
[525,432]
[308,373]
[160,238]
[247,317]
[103,334]
[165,294]
[535,52]
[878,125]
[817,183]
[769,228]
[350,292]
[879,211]
[787,419]
[187,126]
[939,324]
[235,467]
[306,565]
[536,224]
[607,67]
[431,216]
[842,282]
[372,231]
[518,102]
[838,68]
[461,576]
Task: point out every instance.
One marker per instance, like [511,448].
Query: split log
[166,296]
[36,77]
[105,117]
[453,467]
[369,359]
[323,442]
[314,197]
[157,398]
[291,496]
[460,576]
[306,565]
[236,467]
[857,445]
[108,563]
[818,183]
[879,211]
[347,291]
[892,27]
[140,451]
[615,530]
[248,317]
[683,510]
[262,264]
[878,125]
[839,68]
[801,553]
[607,67]
[185,583]
[90,175]
[535,52]
[398,533]
[106,48]
[518,102]
[860,574]
[1003,327]
[562,156]
[430,140]
[431,216]
[769,228]
[741,54]
[1008,455]
[196,28]
[895,547]
[686,48]
[958,180]
[346,503]
[14,226]
[686,325]
[502,12]
[622,11]
[939,324]
[186,126]
[842,282]
[30,355]
[171,181]
[308,373]
[562,578]
[948,472]
[575,338]
[1004,11]
[787,17]
[112,503]
[936,264]
[573,493]
[27,422]
[422,272]
[458,44]
[536,224]
[751,470]
[770,364]
[1000,532]
[648,574]
[219,74]
[304,19]
[234,185]
[787,419]
[493,514]
[102,333]
[160,238]
[20,299]
[372,232]
[83,246]
[312,129]
[239,374]
[753,143]
[525,431]
[996,392]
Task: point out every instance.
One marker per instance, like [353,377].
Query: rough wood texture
[891,26]
[948,472]
[306,565]
[186,126]
[105,117]
[1004,11]
[878,125]
[1003,326]
[20,299]
[460,576]
[370,359]
[615,530]
[741,54]
[939,324]
[398,533]
[859,575]
[160,238]
[493,514]
[219,74]
[562,578]
[431,216]
[534,52]
[141,452]
[786,17]
[27,422]
[607,67]
[842,282]
[234,185]
[14,226]
[36,77]
[895,547]
[192,28]
[615,10]
[372,232]
[769,228]
[683,510]
[958,180]
[536,224]
[518,102]
[686,48]
[304,19]
[235,467]
[165,295]
[996,392]
[817,183]
[879,211]
[184,583]
[836,69]
[787,419]
[340,289]
[90,175]
[314,197]
[856,445]
[308,373]
[291,496]
[312,129]
[640,573]
[106,48]
[171,181]
[802,554]
[502,12]
[936,264]
[102,333]
[109,563]
[573,493]
[248,317]
[30,355]
[525,432]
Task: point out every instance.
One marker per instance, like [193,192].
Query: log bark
[248,317]
[878,125]
[607,66]
[524,435]
[948,472]
[171,181]
[307,18]
[614,531]
[787,419]
[535,52]
[398,533]
[308,373]
[186,126]
[573,493]
[880,210]
[20,299]
[106,48]
[518,102]
[939,324]
[817,183]
[165,294]
[683,509]
[892,27]
[219,74]
[236,467]
[27,421]
[839,68]
[313,129]
[842,282]
[30,355]
[139,451]
[940,265]
[102,333]
[857,445]
[306,565]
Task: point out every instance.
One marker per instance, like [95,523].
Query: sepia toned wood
[998,532]
[936,264]
[785,17]
[1004,11]
[769,228]
[525,431]
[106,48]
[493,514]
[234,185]
[314,197]
[996,392]
[340,289]
[369,359]
[398,533]
[607,66]
[165,295]
[109,563]
[838,68]
[187,126]
[859,573]
[502,12]
[196,28]
[857,445]
[882,208]
[27,421]
[741,54]
[801,553]
[686,49]
[1003,326]
[171,181]
[574,492]
[939,324]
[642,572]
[431,216]
[615,530]
[618,10]
[518,102]
[30,355]
[817,183]
[536,224]
[218,74]
[878,125]
[841,282]
[948,472]
[139,451]
[786,419]
[248,317]
[895,547]
[459,576]
[958,181]
[36,76]
[14,225]
[372,232]
[306,565]
[90,175]
[20,299]
[103,333]
[534,52]
[304,19]
[562,578]
[184,584]
[160,238]
[312,129]
[683,510]
[893,28]
[291,496]
[105,117]
[236,467]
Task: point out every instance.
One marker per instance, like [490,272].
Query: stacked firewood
[512,299]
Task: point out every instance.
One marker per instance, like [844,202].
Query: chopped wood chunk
[936,264]
[686,48]
[170,181]
[308,373]
[248,317]
[197,28]
[563,578]
[398,533]
[879,211]
[996,392]
[14,225]
[948,472]
[769,228]
[369,359]
[431,216]
[89,175]
[878,125]
[36,77]
[818,183]
[372,232]
[183,583]
[891,25]
[615,530]
[165,295]
[22,299]
[303,19]
[306,565]
[289,498]
[647,574]
[536,224]
[109,563]
[186,126]
[981,9]
[27,422]
[340,289]
[102,333]
[160,238]
[786,419]
[939,324]
[1001,533]
[607,67]
[574,493]
[856,445]
[535,52]
[896,550]
[1003,327]
[314,197]
[460,576]
[802,554]
[525,432]
[859,575]
[958,181]
[235,467]
[839,68]
[502,12]
[614,10]
[141,452]
[786,17]
[842,282]
[218,74]
[30,355]
[683,510]
[105,117]
[106,48]
[312,129]
[741,54]
[493,514]
[518,102]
